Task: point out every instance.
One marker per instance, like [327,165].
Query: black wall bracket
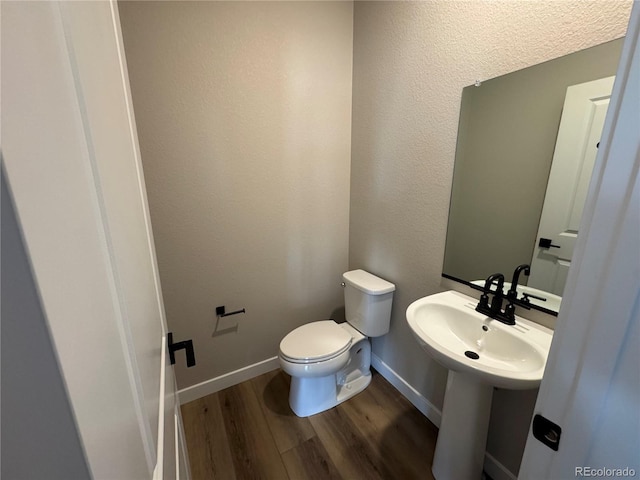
[187,345]
[546,243]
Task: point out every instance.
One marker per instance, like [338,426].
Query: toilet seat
[315,342]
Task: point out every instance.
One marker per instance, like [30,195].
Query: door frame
[59,148]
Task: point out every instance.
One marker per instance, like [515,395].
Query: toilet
[330,362]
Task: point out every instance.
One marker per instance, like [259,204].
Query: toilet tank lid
[367,282]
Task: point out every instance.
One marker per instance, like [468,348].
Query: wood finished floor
[249,432]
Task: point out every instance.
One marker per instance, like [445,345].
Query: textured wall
[411,61]
[244,119]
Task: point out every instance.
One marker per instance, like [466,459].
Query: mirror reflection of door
[583,116]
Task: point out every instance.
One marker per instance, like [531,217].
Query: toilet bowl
[331,362]
[318,384]
[316,349]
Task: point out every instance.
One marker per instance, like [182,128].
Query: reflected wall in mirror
[506,147]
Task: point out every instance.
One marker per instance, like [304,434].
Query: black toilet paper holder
[221,311]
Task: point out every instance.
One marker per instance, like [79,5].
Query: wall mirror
[524,157]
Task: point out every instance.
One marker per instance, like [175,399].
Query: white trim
[158,470]
[495,469]
[230,379]
[133,132]
[176,439]
[425,406]
[52,152]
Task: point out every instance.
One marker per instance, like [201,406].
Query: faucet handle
[526,296]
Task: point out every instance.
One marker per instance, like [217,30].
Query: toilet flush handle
[343,284]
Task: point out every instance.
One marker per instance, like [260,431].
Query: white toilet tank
[367,302]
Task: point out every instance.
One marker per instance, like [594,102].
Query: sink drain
[472,355]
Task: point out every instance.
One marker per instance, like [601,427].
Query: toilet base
[311,395]
[354,387]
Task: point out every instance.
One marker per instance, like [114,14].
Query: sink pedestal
[462,438]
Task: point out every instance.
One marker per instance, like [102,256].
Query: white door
[591,386]
[71,156]
[583,114]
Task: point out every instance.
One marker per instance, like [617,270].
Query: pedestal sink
[480,353]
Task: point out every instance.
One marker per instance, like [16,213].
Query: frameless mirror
[526,146]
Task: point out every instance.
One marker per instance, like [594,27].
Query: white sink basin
[508,356]
[480,353]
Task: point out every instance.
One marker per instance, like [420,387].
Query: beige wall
[244,118]
[411,62]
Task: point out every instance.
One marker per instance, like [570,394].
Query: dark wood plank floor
[248,431]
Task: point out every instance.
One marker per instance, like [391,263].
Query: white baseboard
[494,469]
[216,384]
[425,406]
